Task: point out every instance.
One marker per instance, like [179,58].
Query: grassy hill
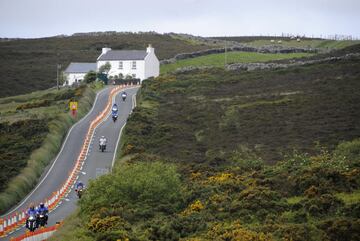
[28,65]
[218,60]
[196,154]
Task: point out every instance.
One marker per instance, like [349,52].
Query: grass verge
[20,185]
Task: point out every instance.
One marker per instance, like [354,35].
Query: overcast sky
[41,18]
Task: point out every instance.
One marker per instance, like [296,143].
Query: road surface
[96,163]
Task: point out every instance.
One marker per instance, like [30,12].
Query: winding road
[97,163]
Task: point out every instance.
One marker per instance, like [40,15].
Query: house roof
[80,67]
[123,55]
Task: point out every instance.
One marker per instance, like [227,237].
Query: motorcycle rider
[102,142]
[79,186]
[42,209]
[124,95]
[115,108]
[114,112]
[31,212]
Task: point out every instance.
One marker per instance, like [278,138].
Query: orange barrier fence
[40,234]
[17,219]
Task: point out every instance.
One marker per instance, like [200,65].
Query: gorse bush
[140,185]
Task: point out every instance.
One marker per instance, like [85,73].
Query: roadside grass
[72,230]
[218,60]
[26,171]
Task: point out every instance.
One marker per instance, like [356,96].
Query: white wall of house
[149,67]
[74,77]
[152,64]
[127,68]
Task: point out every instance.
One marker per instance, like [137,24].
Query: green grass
[349,198]
[308,43]
[218,60]
[295,199]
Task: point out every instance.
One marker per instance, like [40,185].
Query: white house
[140,64]
[76,72]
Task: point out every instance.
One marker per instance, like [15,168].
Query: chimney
[105,50]
[150,49]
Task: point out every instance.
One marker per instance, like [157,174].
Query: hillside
[196,154]
[27,65]
[32,128]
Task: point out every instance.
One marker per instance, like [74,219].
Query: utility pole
[58,67]
[225,53]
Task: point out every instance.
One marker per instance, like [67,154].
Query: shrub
[350,150]
[235,231]
[140,185]
[341,229]
[298,232]
[322,205]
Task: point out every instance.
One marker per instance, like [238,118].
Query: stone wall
[263,66]
[242,48]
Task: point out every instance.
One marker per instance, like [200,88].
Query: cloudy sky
[41,18]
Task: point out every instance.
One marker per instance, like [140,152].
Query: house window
[120,65]
[133,66]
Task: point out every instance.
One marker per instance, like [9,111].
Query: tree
[90,76]
[105,68]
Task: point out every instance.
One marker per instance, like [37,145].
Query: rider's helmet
[102,137]
[32,207]
[42,205]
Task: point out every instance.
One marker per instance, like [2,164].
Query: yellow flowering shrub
[195,175]
[235,231]
[100,225]
[196,206]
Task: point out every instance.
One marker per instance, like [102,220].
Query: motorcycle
[42,219]
[31,223]
[103,147]
[123,97]
[79,192]
[114,117]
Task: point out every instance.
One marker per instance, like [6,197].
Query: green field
[258,41]
[309,43]
[218,60]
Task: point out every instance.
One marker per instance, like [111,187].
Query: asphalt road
[97,163]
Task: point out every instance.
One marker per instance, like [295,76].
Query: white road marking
[118,140]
